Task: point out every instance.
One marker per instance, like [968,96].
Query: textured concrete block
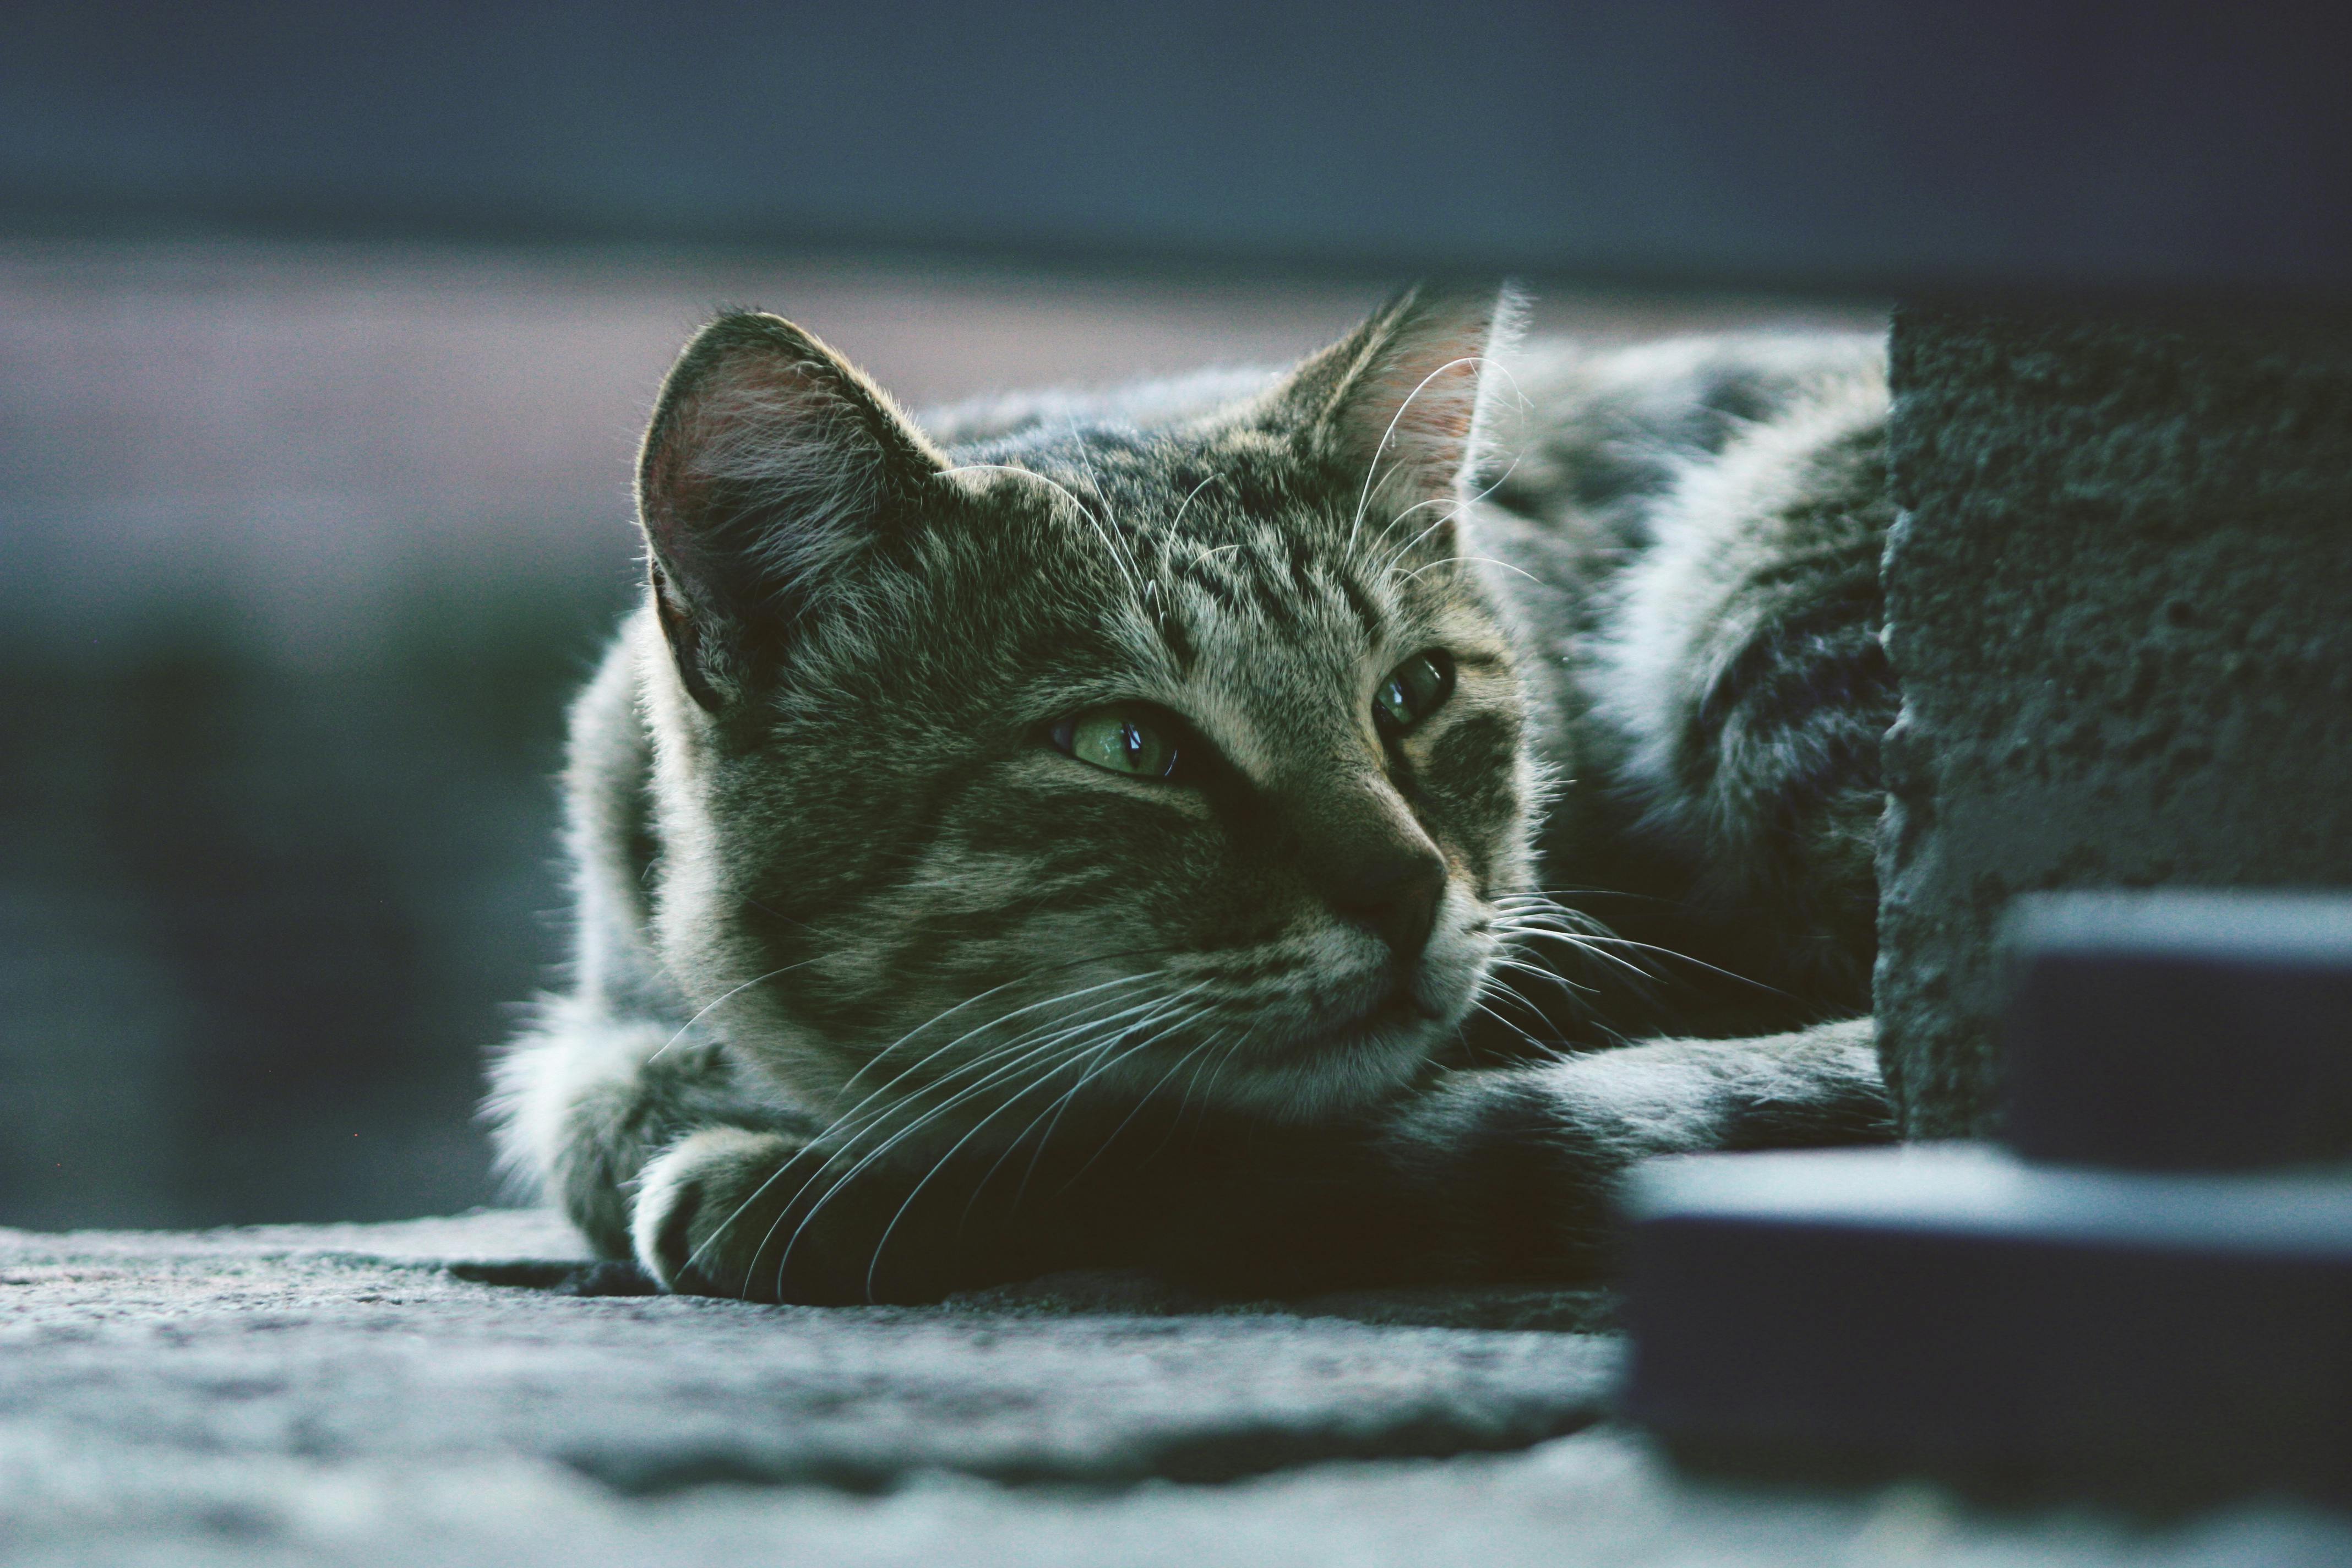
[2120,599]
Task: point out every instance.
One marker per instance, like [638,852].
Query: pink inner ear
[672,497]
[764,430]
[1433,403]
[761,417]
[1417,411]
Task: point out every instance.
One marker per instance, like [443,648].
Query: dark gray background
[325,333]
[1826,143]
[302,547]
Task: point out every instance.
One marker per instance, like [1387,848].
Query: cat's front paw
[732,1212]
[706,1207]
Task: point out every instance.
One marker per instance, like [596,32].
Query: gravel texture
[369,1394]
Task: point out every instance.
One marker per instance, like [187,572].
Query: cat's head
[1184,761]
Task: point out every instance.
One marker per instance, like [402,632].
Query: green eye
[1415,689]
[1119,739]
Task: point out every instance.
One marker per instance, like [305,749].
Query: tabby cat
[1285,831]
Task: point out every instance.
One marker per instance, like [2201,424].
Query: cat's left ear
[772,469]
[1404,406]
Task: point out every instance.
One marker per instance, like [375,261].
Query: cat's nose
[1393,893]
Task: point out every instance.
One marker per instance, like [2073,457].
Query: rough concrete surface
[299,1394]
[2116,598]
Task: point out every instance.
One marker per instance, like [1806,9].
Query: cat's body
[904,963]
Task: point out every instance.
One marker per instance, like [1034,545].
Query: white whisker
[934,1113]
[726,995]
[842,1120]
[942,1164]
[1122,558]
[1459,559]
[1364,501]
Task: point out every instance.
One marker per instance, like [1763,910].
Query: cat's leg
[649,1145]
[1498,1174]
[1513,1172]
[1506,1174]
[1502,1174]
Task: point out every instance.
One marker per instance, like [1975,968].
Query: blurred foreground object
[2047,1325]
[2181,1030]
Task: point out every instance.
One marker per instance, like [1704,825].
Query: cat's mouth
[1401,1015]
[1403,1005]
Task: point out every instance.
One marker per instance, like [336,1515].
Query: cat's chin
[1335,1067]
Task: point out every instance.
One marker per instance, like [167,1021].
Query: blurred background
[306,546]
[326,335]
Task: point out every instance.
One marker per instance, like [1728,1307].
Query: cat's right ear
[769,468]
[1403,404]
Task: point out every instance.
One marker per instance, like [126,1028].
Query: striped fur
[879,993]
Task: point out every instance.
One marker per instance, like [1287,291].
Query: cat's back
[1603,422]
[1688,532]
[1598,448]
